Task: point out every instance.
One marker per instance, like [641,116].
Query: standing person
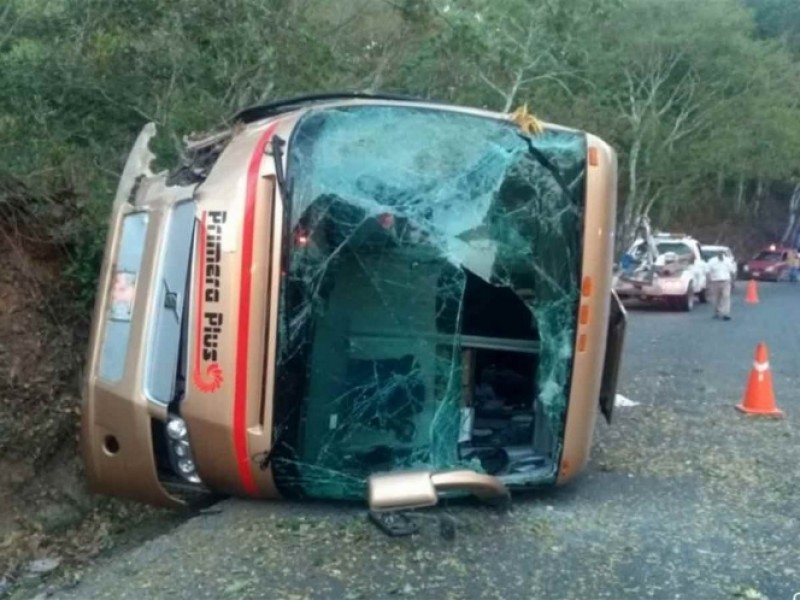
[719,286]
[794,265]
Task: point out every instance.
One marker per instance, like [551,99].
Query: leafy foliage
[699,98]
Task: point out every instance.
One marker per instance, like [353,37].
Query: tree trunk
[794,238]
[631,212]
[760,187]
[624,227]
[633,164]
[511,95]
[739,203]
[755,207]
[790,233]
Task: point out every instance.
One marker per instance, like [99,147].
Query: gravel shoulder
[684,498]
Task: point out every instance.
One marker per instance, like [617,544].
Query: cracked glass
[429,297]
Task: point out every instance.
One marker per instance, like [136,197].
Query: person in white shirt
[719,286]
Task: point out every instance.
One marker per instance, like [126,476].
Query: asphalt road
[684,498]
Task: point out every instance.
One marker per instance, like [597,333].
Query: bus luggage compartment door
[617,320]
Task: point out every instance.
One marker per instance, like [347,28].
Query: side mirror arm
[419,489]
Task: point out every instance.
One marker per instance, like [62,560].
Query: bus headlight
[180,452]
[186,468]
[176,430]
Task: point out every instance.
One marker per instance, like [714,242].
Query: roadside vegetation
[700,98]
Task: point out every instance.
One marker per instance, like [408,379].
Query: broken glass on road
[429,297]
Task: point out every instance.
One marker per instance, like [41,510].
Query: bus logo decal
[209,322]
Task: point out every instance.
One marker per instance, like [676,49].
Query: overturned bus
[352,295]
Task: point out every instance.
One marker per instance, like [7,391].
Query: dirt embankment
[49,521]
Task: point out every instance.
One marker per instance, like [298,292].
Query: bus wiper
[276,144]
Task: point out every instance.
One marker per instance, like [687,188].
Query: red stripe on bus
[243,335]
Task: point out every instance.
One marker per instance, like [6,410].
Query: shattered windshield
[429,297]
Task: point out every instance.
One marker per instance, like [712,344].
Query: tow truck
[663,267]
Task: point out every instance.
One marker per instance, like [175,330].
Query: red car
[770,264]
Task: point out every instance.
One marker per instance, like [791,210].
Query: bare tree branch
[493,85]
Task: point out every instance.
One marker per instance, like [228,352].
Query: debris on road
[622,401]
[749,593]
[42,566]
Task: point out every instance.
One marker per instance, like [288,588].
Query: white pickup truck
[663,267]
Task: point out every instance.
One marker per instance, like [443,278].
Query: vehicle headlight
[180,452]
[176,430]
[746,268]
[186,468]
[770,269]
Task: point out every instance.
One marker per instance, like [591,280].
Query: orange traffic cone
[752,293]
[759,398]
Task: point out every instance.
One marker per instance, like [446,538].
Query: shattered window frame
[393,190]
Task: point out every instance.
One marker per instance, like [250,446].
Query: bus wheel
[703,296]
